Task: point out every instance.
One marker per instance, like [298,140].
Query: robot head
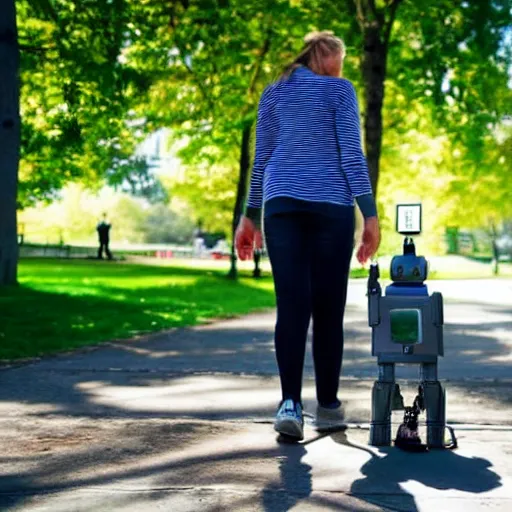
[408,219]
[408,268]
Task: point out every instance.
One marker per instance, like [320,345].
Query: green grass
[66,304]
[61,305]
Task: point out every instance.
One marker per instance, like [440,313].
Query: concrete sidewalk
[182,421]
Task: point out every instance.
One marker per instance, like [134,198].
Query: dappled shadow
[199,454]
[104,381]
[80,382]
[150,394]
[478,344]
[161,459]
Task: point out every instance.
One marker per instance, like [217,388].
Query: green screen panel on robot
[405,326]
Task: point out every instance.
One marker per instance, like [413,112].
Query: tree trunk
[374,73]
[256,273]
[495,250]
[241,192]
[9,141]
[376,25]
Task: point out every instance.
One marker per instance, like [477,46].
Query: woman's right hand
[247,237]
[371,240]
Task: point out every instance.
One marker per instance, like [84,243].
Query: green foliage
[482,188]
[441,141]
[77,94]
[163,225]
[137,177]
[128,220]
[439,118]
[209,192]
[215,73]
[97,76]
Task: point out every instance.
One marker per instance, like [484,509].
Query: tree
[97,76]
[219,57]
[9,142]
[376,23]
[457,54]
[446,54]
[164,226]
[77,94]
[136,176]
[209,191]
[405,47]
[76,98]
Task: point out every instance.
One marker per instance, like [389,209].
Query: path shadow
[384,472]
[443,470]
[175,458]
[68,384]
[295,482]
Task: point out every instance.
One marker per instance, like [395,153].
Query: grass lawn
[63,304]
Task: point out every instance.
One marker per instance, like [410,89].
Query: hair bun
[313,37]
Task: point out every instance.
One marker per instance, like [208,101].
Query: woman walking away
[308,169]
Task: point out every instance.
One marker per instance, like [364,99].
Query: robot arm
[374,294]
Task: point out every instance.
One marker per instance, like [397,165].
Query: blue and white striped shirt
[308,143]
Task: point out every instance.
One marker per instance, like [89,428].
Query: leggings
[310,255]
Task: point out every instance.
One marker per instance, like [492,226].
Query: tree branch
[360,13]
[259,63]
[376,13]
[35,49]
[197,80]
[389,25]
[46,8]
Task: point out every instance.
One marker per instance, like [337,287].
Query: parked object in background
[504,246]
[221,250]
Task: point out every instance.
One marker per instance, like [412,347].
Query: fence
[30,250]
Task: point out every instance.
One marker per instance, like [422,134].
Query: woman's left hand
[371,240]
[247,237]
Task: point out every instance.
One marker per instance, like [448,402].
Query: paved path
[181,421]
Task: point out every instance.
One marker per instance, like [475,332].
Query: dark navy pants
[310,255]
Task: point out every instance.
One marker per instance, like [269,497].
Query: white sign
[408,219]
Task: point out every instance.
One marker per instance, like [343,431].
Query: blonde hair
[317,46]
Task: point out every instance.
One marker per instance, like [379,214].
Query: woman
[308,169]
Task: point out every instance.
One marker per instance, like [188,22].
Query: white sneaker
[330,420]
[289,420]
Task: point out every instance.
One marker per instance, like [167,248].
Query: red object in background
[164,254]
[220,256]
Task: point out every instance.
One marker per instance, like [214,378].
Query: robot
[407,328]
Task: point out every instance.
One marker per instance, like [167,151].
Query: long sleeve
[266,137]
[353,161]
